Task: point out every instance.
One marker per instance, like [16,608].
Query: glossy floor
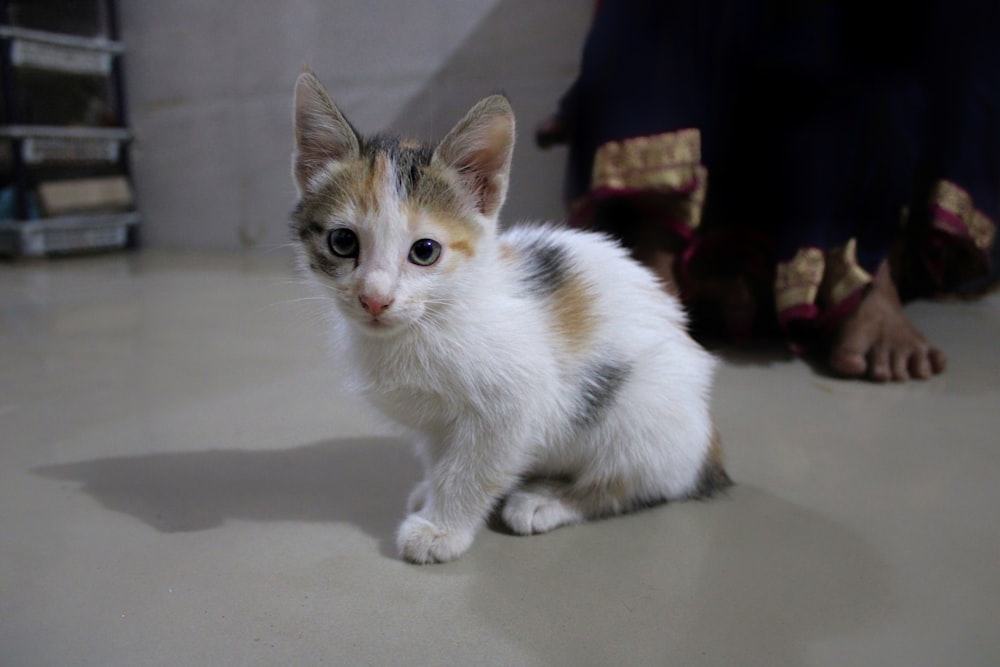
[182,483]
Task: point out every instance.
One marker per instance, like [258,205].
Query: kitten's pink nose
[374,305]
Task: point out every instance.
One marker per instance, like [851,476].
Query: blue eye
[343,242]
[425,252]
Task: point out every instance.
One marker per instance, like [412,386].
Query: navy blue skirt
[797,143]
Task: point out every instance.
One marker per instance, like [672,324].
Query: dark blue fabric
[819,120]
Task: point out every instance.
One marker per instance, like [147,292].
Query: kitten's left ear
[479,150]
[322,134]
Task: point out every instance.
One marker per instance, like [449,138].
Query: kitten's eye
[343,243]
[425,252]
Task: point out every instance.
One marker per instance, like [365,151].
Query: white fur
[469,358]
[493,394]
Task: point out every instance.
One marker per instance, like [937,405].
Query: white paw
[418,497]
[531,512]
[420,541]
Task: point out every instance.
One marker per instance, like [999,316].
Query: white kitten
[541,366]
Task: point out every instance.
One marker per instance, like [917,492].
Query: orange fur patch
[454,234]
[463,246]
[375,183]
[715,449]
[572,305]
[507,252]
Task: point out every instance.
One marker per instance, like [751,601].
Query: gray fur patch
[296,225]
[712,479]
[600,387]
[409,159]
[546,269]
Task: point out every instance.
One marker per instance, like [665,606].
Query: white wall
[209,88]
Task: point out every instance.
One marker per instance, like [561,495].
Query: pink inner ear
[480,153]
[322,134]
[492,145]
[483,180]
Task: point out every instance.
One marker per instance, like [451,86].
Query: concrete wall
[209,87]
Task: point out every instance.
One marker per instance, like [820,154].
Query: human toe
[851,364]
[920,365]
[900,360]
[938,360]
[879,368]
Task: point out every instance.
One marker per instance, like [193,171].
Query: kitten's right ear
[479,151]
[322,134]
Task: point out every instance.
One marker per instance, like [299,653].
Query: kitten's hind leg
[540,506]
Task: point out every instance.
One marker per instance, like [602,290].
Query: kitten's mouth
[378,325]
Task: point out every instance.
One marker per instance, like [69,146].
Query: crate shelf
[53,144]
[65,181]
[67,234]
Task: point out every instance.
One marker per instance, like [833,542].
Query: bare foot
[880,342]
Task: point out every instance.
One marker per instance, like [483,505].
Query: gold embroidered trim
[957,202]
[797,281]
[982,230]
[812,274]
[696,202]
[843,274]
[669,161]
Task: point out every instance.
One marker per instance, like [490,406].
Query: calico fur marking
[573,308]
[545,269]
[601,385]
[463,247]
[713,477]
[547,273]
[359,185]
[409,158]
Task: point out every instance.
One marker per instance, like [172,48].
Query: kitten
[539,366]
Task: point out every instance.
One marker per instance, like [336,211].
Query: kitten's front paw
[420,541]
[529,512]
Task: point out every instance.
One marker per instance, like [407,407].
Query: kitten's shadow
[359,481]
[746,574]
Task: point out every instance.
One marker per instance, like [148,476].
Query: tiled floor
[182,483]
